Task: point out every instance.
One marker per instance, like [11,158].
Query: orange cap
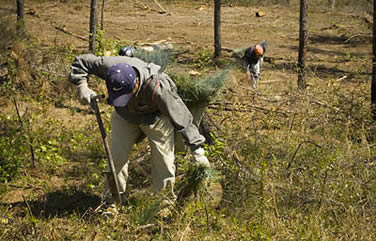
[259,50]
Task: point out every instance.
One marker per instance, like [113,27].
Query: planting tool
[111,175]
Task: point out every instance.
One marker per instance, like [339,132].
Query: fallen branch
[323,104]
[176,54]
[269,81]
[342,78]
[28,206]
[356,35]
[227,49]
[185,231]
[149,225]
[143,5]
[62,29]
[249,108]
[297,149]
[159,5]
[21,125]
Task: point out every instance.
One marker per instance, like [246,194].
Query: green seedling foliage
[13,148]
[196,178]
[104,44]
[239,52]
[204,59]
[199,90]
[159,56]
[148,212]
[12,153]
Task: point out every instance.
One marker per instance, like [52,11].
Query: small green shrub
[13,149]
[10,158]
[204,59]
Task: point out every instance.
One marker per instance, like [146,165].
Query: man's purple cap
[120,81]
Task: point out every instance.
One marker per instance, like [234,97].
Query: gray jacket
[157,94]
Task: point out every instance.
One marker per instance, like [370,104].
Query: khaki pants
[161,139]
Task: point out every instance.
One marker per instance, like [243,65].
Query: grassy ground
[294,165]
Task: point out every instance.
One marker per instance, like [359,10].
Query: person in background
[127,51]
[252,59]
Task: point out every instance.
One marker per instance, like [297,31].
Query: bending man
[145,103]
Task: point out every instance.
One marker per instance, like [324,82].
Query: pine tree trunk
[217,28]
[93,25]
[303,36]
[102,15]
[373,83]
[20,19]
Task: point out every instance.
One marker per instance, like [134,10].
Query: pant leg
[161,138]
[124,135]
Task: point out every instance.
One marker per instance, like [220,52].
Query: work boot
[165,208]
[110,212]
[107,210]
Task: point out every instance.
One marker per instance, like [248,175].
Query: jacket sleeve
[171,105]
[84,65]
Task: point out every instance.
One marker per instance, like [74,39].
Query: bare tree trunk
[373,83]
[217,28]
[93,25]
[303,36]
[102,14]
[20,19]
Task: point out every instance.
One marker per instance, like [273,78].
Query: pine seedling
[196,180]
[149,212]
[158,56]
[199,90]
[239,52]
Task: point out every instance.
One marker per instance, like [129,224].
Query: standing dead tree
[217,28]
[102,15]
[303,36]
[20,19]
[93,25]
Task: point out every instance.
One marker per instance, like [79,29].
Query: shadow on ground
[347,40]
[60,203]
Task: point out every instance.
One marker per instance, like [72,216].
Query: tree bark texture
[20,19]
[102,15]
[303,36]
[217,28]
[93,25]
[373,83]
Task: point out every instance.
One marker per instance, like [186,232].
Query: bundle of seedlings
[239,52]
[159,56]
[196,181]
[192,90]
[199,91]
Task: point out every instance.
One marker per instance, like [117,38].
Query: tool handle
[111,175]
[97,97]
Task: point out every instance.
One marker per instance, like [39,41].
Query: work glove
[199,156]
[84,93]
